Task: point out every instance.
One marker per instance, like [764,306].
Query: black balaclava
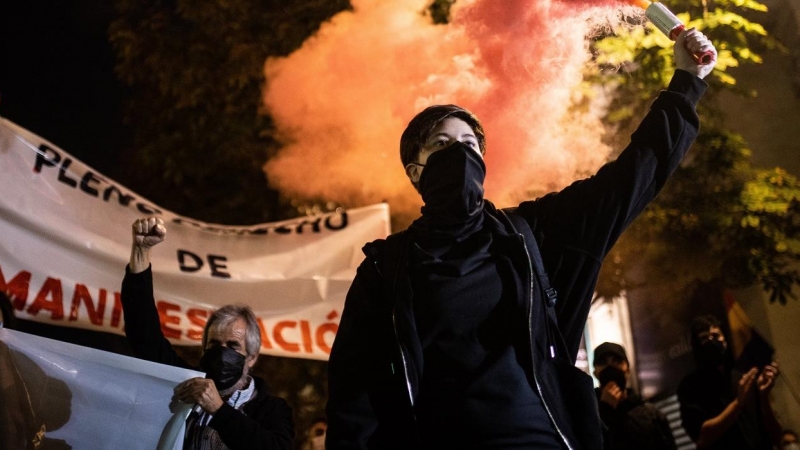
[710,354]
[451,186]
[614,374]
[223,365]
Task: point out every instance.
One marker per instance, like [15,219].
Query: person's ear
[413,171]
[251,361]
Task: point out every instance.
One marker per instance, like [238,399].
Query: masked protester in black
[452,189]
[722,408]
[631,422]
[234,409]
[452,335]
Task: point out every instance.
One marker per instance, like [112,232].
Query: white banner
[59,395]
[65,233]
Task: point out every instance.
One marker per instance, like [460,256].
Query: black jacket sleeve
[142,325]
[579,225]
[270,428]
[352,419]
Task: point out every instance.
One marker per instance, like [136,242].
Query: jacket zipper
[530,337]
[407,379]
[402,358]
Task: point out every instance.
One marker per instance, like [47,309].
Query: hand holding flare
[667,23]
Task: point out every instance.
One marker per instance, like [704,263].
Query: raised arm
[142,324]
[579,225]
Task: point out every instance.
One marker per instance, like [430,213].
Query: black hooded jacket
[376,362]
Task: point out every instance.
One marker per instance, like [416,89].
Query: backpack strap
[389,261]
[521,227]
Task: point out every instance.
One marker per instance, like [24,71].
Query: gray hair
[230,313]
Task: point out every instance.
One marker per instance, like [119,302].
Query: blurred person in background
[722,408]
[789,441]
[632,422]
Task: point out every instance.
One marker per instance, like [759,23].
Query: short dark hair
[419,129]
[701,324]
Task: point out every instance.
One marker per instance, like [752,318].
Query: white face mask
[792,446]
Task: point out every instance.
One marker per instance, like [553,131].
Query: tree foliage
[196,72]
[719,219]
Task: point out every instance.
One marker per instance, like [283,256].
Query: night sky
[57,77]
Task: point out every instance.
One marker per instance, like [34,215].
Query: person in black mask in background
[632,422]
[235,409]
[462,331]
[722,408]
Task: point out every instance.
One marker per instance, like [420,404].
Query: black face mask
[610,374]
[711,353]
[451,185]
[223,365]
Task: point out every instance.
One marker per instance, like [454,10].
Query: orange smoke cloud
[342,100]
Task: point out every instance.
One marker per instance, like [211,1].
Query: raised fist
[148,232]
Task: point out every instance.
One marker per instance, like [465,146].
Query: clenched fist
[147,232]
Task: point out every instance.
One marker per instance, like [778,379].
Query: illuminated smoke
[341,101]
